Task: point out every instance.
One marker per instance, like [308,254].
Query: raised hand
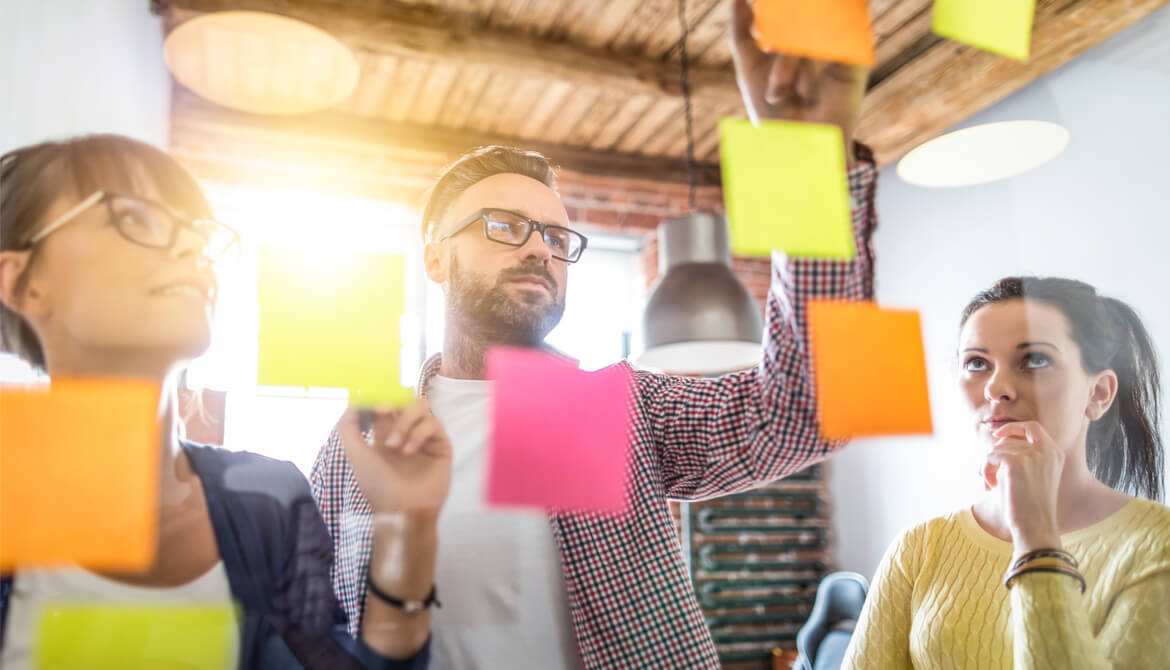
[407,466]
[783,86]
[1026,465]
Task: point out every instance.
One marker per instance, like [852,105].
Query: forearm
[402,565]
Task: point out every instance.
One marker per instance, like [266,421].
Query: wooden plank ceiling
[595,82]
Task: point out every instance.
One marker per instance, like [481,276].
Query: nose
[1000,386]
[535,247]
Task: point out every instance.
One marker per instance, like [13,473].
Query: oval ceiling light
[261,63]
[983,153]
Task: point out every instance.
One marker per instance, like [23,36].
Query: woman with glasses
[1065,562]
[106,253]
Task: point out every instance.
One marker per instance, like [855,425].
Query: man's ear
[435,262]
[12,265]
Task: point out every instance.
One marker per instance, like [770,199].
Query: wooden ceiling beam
[424,33]
[950,82]
[367,157]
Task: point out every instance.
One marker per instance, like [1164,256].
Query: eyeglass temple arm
[67,216]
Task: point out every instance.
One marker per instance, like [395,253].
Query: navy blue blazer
[277,554]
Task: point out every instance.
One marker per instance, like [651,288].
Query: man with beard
[571,589]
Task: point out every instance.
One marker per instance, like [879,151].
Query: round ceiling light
[262,63]
[983,153]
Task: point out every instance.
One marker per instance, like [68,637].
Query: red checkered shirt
[631,599]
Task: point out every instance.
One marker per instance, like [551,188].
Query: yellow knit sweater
[938,600]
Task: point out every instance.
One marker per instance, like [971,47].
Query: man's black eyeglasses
[514,229]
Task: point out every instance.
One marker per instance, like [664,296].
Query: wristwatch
[408,606]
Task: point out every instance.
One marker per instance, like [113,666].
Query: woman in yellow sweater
[1057,566]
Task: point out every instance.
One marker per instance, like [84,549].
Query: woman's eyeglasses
[514,229]
[149,223]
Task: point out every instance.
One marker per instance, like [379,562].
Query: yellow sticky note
[333,320]
[785,187]
[133,637]
[870,370]
[79,474]
[1000,26]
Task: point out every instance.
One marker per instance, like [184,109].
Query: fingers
[1032,431]
[989,474]
[421,435]
[808,80]
[781,78]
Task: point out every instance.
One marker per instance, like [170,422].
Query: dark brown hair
[1124,448]
[475,166]
[32,179]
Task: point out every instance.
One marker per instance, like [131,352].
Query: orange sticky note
[79,474]
[832,30]
[870,370]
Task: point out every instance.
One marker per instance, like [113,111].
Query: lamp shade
[700,319]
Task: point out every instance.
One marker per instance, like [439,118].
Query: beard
[492,313]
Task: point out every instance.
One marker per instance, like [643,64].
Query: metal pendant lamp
[700,319]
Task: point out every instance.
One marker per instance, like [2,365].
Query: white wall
[69,67]
[73,67]
[1100,212]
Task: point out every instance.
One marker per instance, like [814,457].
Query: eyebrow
[1021,345]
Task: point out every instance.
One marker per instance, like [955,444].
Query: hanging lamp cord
[686,92]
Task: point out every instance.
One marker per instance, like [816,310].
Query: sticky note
[137,637]
[1000,26]
[79,474]
[785,188]
[832,30]
[332,319]
[869,369]
[558,434]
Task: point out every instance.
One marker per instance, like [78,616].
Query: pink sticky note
[559,435]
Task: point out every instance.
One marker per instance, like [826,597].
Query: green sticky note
[785,187]
[125,637]
[1001,26]
[333,320]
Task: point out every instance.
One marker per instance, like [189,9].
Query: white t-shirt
[499,571]
[34,591]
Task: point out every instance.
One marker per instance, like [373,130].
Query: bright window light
[984,153]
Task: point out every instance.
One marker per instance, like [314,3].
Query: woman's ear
[1101,394]
[12,266]
[435,262]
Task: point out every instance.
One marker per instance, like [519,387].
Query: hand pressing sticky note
[333,320]
[832,30]
[137,637]
[559,435]
[1001,26]
[79,474]
[785,188]
[870,370]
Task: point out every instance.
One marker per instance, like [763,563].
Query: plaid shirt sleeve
[739,431]
[348,517]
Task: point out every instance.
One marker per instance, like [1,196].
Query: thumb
[741,24]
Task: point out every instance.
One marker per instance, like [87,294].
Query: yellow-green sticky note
[785,188]
[137,637]
[332,319]
[1000,26]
